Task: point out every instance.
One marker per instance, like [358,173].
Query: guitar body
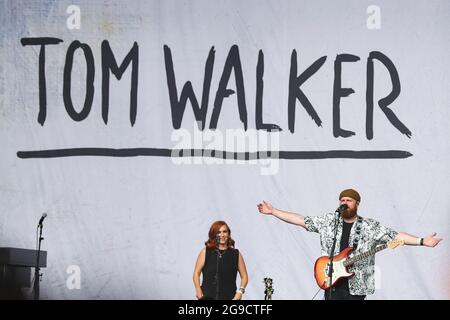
[339,270]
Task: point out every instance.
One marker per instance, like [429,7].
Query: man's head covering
[351,194]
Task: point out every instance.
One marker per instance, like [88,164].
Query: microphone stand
[37,275]
[331,256]
[216,277]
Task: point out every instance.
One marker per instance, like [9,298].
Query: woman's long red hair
[214,230]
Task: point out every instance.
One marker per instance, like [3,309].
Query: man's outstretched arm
[428,241]
[290,217]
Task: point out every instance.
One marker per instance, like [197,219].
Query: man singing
[363,234]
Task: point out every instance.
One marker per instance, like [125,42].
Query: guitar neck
[366,254]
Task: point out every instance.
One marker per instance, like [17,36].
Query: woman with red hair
[219,262]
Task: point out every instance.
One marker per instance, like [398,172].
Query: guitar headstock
[395,243]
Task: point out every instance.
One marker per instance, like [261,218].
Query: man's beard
[348,214]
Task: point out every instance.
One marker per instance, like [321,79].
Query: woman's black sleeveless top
[220,285]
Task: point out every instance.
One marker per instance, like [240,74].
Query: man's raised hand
[265,208]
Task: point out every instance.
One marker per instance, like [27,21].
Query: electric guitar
[342,261]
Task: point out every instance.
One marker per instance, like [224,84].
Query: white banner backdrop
[126,223]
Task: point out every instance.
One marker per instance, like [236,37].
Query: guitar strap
[357,232]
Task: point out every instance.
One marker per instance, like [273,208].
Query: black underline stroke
[162,152]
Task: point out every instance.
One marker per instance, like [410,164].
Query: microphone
[42,219]
[342,208]
[217,239]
